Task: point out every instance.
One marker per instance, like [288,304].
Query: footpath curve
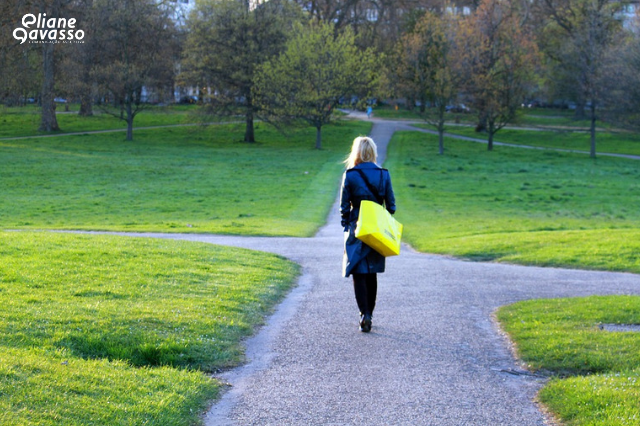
[434,356]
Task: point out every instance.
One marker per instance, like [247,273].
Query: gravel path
[434,356]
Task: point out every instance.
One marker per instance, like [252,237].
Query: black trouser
[366,289]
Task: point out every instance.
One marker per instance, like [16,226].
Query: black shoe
[365,323]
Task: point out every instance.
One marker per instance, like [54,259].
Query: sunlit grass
[25,121]
[516,205]
[606,141]
[597,376]
[118,331]
[178,180]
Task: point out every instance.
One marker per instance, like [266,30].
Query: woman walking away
[363,180]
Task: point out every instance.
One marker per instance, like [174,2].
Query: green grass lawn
[537,117]
[119,331]
[597,372]
[609,142]
[178,180]
[389,112]
[24,121]
[402,113]
[552,118]
[515,205]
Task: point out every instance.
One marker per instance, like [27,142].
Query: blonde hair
[363,150]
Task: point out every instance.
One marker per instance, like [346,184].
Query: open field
[514,205]
[177,180]
[125,327]
[536,117]
[610,142]
[598,379]
[118,331]
[24,121]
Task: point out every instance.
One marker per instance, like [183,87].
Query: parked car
[457,108]
[60,100]
[534,103]
[188,99]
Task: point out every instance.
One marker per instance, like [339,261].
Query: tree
[49,121]
[77,60]
[20,63]
[579,33]
[377,23]
[40,18]
[315,72]
[622,82]
[53,9]
[136,41]
[497,57]
[226,42]
[421,68]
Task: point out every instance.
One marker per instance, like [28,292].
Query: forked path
[434,356]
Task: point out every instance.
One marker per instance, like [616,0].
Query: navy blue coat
[359,258]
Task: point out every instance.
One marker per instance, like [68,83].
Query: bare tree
[54,9]
[136,41]
[377,23]
[498,57]
[579,33]
[422,68]
[79,60]
[20,63]
[621,86]
[225,45]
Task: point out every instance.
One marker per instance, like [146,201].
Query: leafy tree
[578,35]
[136,41]
[317,70]
[226,42]
[421,68]
[497,58]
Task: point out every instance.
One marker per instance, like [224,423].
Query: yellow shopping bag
[378,229]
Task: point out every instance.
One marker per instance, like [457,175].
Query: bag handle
[375,191]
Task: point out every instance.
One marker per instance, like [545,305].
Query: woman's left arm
[345,201]
[390,198]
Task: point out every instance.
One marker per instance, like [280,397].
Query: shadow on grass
[136,349]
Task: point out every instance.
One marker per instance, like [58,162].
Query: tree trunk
[86,107]
[411,103]
[318,137]
[491,131]
[86,104]
[441,137]
[580,114]
[249,133]
[482,124]
[48,122]
[593,130]
[129,122]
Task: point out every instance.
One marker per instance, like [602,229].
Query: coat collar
[367,165]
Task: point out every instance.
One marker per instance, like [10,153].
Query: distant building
[629,14]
